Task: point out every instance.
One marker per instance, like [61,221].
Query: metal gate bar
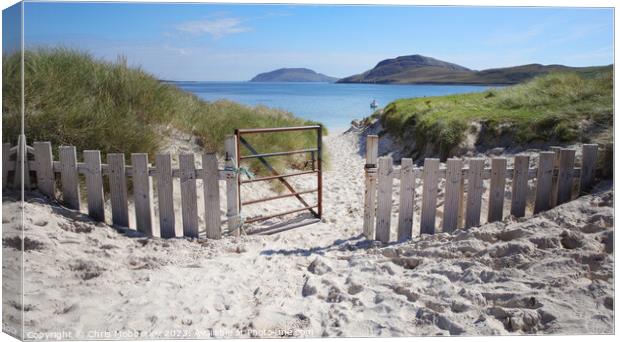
[317,168]
[279,196]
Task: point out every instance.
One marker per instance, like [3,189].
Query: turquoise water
[335,105]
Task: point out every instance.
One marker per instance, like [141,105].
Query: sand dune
[552,273]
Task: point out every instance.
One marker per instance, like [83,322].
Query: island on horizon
[293,75]
[418,69]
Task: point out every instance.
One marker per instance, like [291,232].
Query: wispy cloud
[216,27]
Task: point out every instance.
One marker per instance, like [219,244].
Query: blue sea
[332,104]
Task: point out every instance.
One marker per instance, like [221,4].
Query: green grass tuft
[74,99]
[547,108]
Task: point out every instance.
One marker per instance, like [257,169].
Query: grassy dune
[552,108]
[75,99]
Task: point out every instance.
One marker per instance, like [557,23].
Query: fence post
[44,168]
[384,200]
[165,188]
[407,199]
[565,175]
[189,205]
[588,166]
[69,177]
[6,148]
[454,172]
[497,190]
[474,193]
[370,184]
[429,196]
[142,192]
[211,190]
[553,200]
[544,181]
[232,186]
[21,165]
[94,185]
[519,185]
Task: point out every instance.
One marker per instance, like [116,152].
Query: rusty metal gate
[316,158]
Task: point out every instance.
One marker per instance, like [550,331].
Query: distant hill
[293,75]
[422,69]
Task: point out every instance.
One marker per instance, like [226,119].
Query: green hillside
[426,70]
[561,107]
[75,99]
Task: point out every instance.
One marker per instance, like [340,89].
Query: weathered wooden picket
[38,159]
[555,175]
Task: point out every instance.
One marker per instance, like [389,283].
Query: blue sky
[235,42]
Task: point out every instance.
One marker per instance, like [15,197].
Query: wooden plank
[94,185]
[44,168]
[544,181]
[189,204]
[6,147]
[142,192]
[118,189]
[553,200]
[69,177]
[588,167]
[232,186]
[565,175]
[211,196]
[165,188]
[474,193]
[519,185]
[22,170]
[452,195]
[497,190]
[384,200]
[370,185]
[407,199]
[461,213]
[429,196]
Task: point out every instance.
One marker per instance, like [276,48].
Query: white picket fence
[462,209]
[38,159]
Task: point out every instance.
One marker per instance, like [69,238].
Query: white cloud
[217,27]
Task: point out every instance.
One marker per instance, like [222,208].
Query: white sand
[552,273]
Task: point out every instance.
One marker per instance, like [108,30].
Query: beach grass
[72,98]
[550,108]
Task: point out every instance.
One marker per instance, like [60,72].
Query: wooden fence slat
[544,181]
[429,196]
[142,192]
[451,204]
[165,189]
[588,166]
[553,200]
[44,162]
[519,185]
[370,193]
[118,189]
[407,199]
[211,196]
[189,205]
[384,200]
[6,147]
[21,163]
[474,193]
[497,190]
[94,185]
[565,175]
[232,186]
[460,223]
[69,177]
